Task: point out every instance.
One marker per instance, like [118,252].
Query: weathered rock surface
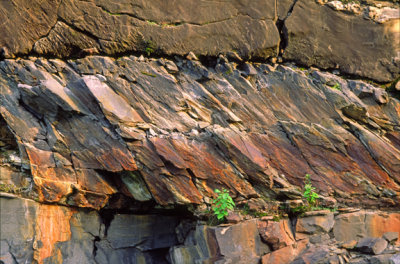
[362,224]
[33,232]
[113,151]
[55,234]
[307,32]
[372,245]
[321,36]
[95,128]
[205,27]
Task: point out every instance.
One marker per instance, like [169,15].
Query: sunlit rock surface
[91,128]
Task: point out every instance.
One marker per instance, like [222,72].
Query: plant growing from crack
[149,47]
[309,195]
[222,204]
[337,87]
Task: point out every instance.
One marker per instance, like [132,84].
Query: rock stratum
[90,129]
[107,123]
[359,41]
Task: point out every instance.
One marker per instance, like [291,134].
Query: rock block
[276,234]
[286,254]
[371,245]
[315,224]
[321,36]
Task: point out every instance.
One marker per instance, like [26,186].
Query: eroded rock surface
[32,231]
[95,128]
[321,36]
[363,43]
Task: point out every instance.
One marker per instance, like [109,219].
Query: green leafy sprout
[337,87]
[149,47]
[309,194]
[222,204]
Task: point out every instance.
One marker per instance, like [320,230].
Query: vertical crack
[106,217]
[96,239]
[283,34]
[282,29]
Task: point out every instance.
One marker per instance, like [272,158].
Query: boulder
[361,224]
[315,224]
[371,245]
[276,234]
[239,243]
[286,254]
[395,259]
[315,254]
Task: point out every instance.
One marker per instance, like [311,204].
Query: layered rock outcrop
[58,234]
[171,132]
[114,135]
[363,43]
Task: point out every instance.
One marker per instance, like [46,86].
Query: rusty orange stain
[384,222]
[52,226]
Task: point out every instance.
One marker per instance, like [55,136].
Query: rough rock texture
[107,157]
[321,36]
[32,231]
[313,34]
[372,246]
[55,234]
[92,128]
[178,27]
[362,224]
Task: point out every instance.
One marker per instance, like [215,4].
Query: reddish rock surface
[87,132]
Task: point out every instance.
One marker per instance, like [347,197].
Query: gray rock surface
[372,245]
[391,237]
[314,34]
[321,36]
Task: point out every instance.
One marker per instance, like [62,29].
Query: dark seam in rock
[9,251]
[96,239]
[179,23]
[283,31]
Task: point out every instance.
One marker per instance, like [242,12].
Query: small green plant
[149,47]
[337,87]
[309,194]
[229,71]
[245,210]
[148,74]
[153,23]
[222,204]
[9,188]
[276,218]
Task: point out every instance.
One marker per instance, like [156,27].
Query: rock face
[95,128]
[314,34]
[56,234]
[362,224]
[119,119]
[205,27]
[321,36]
[31,232]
